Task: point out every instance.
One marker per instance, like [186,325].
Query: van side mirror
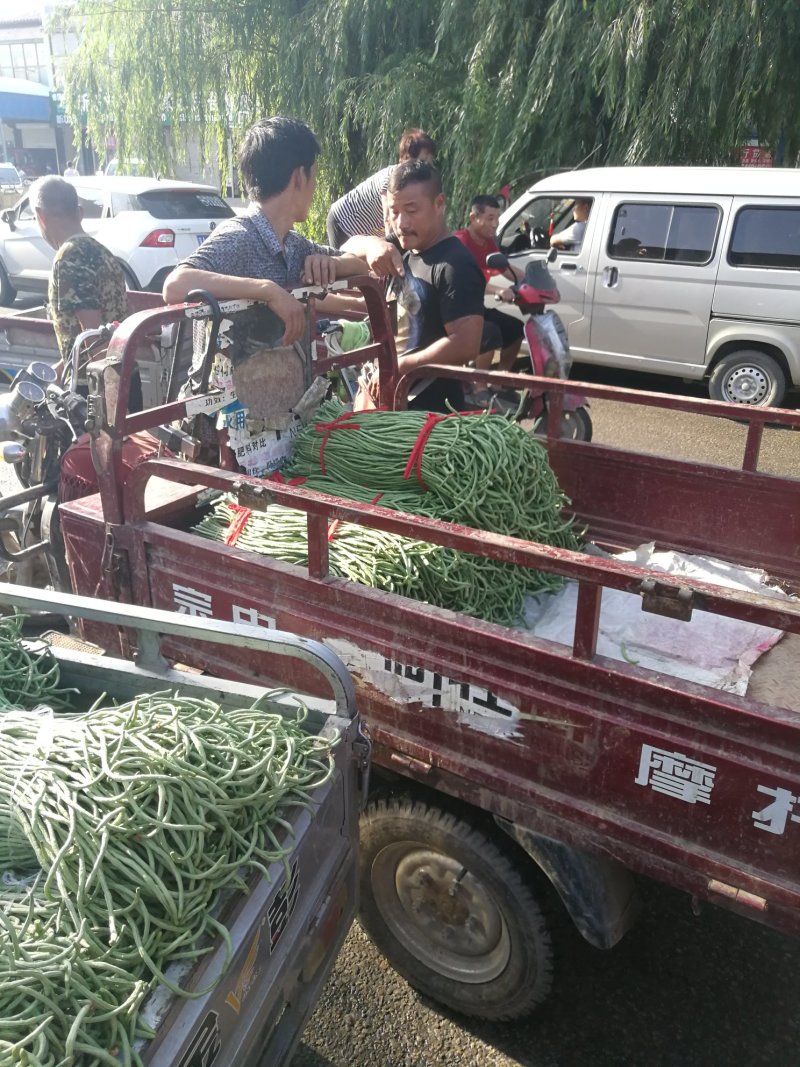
[497,261]
[552,255]
[8,218]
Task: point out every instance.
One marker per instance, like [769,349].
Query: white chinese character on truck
[676,775]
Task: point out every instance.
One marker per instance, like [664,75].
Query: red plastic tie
[415,459]
[334,526]
[339,423]
[277,476]
[237,523]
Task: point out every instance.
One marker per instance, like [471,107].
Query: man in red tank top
[478,237]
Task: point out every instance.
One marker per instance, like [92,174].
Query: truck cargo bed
[286,933]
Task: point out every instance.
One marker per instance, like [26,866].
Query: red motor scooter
[548,346]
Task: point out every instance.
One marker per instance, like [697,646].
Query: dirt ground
[776,675]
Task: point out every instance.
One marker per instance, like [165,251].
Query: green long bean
[139,819]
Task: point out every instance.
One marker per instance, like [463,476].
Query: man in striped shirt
[362,211]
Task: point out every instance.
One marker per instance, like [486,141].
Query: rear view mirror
[497,261]
[8,217]
[553,255]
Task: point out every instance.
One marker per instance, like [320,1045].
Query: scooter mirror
[553,255]
[497,261]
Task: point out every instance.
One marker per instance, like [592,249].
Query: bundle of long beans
[381,560]
[480,470]
[28,671]
[136,819]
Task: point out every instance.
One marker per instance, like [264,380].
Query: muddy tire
[451,911]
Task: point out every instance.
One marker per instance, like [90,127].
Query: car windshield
[9,175]
[174,204]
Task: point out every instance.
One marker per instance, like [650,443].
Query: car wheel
[131,281]
[451,912]
[8,294]
[748,377]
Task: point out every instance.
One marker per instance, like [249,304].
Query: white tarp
[710,649]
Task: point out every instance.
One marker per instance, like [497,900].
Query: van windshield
[533,226]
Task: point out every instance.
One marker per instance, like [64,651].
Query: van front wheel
[748,377]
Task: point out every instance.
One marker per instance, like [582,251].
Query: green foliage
[509,91]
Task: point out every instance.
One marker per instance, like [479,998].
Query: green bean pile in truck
[180,852]
[509,766]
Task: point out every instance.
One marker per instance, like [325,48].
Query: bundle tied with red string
[479,470]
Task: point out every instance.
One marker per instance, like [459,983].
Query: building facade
[33,132]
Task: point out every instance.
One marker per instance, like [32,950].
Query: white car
[10,184]
[136,168]
[149,225]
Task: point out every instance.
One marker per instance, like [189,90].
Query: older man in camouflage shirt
[87,286]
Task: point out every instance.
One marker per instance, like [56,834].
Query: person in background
[500,329]
[87,286]
[439,283]
[362,211]
[71,171]
[571,238]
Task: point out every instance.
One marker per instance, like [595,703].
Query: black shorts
[499,330]
[441,395]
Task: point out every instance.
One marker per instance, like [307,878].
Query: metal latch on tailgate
[362,747]
[660,599]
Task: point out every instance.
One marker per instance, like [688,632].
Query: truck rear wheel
[451,912]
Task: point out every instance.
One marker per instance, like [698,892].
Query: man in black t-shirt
[440,285]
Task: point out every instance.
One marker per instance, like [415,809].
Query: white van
[687,271]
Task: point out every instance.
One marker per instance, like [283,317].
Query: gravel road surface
[679,991]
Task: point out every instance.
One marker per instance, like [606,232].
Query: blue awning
[24,101]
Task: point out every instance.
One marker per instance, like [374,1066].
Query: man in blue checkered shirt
[258,256]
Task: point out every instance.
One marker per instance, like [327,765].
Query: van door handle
[610,277]
[576,268]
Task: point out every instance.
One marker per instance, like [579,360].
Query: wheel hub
[441,912]
[747,385]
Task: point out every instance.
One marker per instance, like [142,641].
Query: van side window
[671,233]
[766,237]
